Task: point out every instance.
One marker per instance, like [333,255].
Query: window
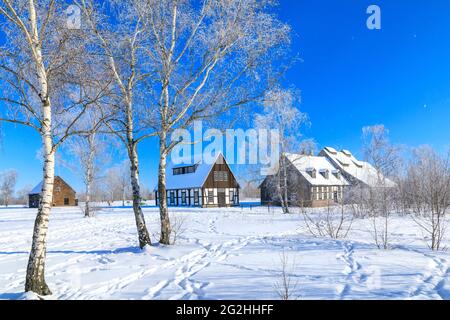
[220,176]
[66,201]
[325,173]
[172,197]
[312,172]
[337,174]
[231,196]
[190,170]
[184,170]
[183,197]
[210,196]
[196,197]
[58,189]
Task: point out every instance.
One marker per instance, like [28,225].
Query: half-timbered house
[201,185]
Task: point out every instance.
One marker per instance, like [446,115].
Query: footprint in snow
[105,260]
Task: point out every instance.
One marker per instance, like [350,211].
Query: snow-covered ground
[222,254]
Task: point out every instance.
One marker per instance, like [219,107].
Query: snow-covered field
[223,254]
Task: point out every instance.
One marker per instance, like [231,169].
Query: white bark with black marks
[143,235]
[163,208]
[35,277]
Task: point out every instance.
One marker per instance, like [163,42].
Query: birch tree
[209,57]
[428,189]
[281,111]
[22,194]
[89,151]
[123,42]
[39,66]
[379,198]
[118,182]
[8,181]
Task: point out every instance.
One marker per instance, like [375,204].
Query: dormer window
[343,163]
[337,174]
[331,150]
[358,164]
[312,172]
[347,153]
[325,173]
[184,170]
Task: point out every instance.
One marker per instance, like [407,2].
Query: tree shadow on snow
[133,250]
[11,296]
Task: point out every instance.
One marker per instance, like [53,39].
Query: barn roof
[305,164]
[38,188]
[360,170]
[189,180]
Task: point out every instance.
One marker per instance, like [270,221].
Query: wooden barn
[63,194]
[201,185]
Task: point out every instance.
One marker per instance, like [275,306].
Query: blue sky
[350,77]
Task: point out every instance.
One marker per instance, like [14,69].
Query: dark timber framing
[218,189]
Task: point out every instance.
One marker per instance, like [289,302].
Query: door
[221,198]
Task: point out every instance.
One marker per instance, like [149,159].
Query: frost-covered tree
[8,181]
[41,64]
[117,182]
[89,151]
[22,194]
[119,29]
[427,187]
[282,112]
[208,57]
[379,199]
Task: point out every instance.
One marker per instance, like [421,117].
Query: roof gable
[191,180]
[65,183]
[38,188]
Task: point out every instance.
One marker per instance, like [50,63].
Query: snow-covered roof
[304,163]
[360,170]
[37,189]
[189,180]
[332,150]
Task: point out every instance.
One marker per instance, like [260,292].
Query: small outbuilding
[63,194]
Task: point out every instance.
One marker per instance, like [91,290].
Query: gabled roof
[38,188]
[304,164]
[360,170]
[190,180]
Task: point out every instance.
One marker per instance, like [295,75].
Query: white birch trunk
[35,277]
[89,175]
[163,209]
[143,235]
